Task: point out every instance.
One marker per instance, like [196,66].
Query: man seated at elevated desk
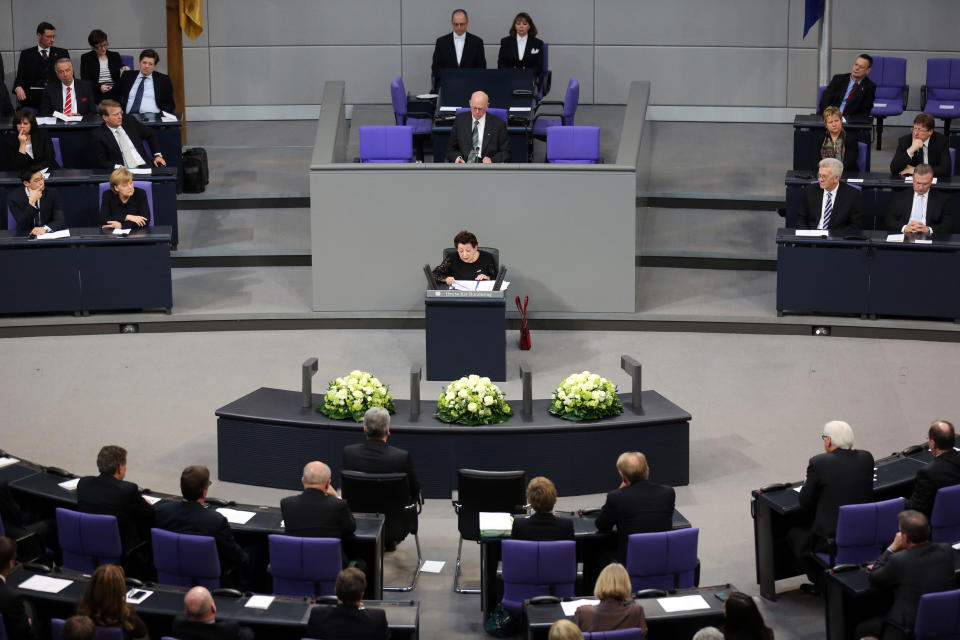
[853,92]
[923,145]
[457,50]
[942,471]
[35,208]
[919,210]
[469,263]
[831,205]
[68,95]
[478,137]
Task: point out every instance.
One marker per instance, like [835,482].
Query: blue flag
[814,11]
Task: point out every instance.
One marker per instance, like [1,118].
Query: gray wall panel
[888,24]
[129,23]
[571,61]
[426,20]
[6,26]
[802,73]
[796,27]
[196,83]
[416,67]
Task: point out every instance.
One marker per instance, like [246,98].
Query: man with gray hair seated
[199,622]
[831,204]
[838,476]
[708,633]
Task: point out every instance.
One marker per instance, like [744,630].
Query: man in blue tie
[146,90]
[852,92]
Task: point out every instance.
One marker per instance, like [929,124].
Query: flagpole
[825,44]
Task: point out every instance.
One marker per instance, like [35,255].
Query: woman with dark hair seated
[836,143]
[101,67]
[521,49]
[742,619]
[469,263]
[616,610]
[31,145]
[542,524]
[105,602]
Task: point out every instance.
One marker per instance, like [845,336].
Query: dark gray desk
[465,334]
[807,128]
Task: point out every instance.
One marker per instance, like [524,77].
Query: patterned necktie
[43,54]
[137,99]
[853,90]
[475,142]
[827,210]
[130,156]
[68,103]
[917,213]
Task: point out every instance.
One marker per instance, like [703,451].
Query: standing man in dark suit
[637,505]
[832,204]
[35,68]
[911,566]
[838,476]
[120,140]
[108,493]
[477,136]
[67,95]
[199,620]
[146,91]
[942,471]
[16,623]
[542,524]
[922,146]
[919,210]
[457,50]
[35,208]
[852,92]
[348,619]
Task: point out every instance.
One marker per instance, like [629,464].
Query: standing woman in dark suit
[521,49]
[30,145]
[836,143]
[100,67]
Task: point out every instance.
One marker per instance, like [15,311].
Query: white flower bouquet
[354,393]
[472,400]
[585,396]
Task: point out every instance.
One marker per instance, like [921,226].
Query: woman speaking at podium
[468,263]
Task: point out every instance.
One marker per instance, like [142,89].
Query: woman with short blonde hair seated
[123,205]
[563,629]
[616,610]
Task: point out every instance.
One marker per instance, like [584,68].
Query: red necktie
[853,90]
[68,103]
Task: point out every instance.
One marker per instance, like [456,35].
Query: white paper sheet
[6,461]
[45,584]
[152,499]
[922,241]
[144,171]
[259,602]
[432,566]
[449,108]
[810,233]
[123,232]
[573,605]
[427,96]
[46,120]
[798,488]
[495,521]
[235,516]
[136,596]
[53,235]
[66,118]
[683,603]
[895,237]
[70,485]
[478,285]
[520,109]
[167,117]
[855,180]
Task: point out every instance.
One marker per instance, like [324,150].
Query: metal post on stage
[526,376]
[310,366]
[632,367]
[824,44]
[415,374]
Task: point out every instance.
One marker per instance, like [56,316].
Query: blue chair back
[890,76]
[103,633]
[536,569]
[304,566]
[127,61]
[953,161]
[56,151]
[398,96]
[185,560]
[142,184]
[543,86]
[865,530]
[11,221]
[386,144]
[617,634]
[663,560]
[573,145]
[938,616]
[945,518]
[863,148]
[570,103]
[943,87]
[88,540]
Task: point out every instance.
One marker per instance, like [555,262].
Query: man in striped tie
[68,95]
[852,92]
[830,204]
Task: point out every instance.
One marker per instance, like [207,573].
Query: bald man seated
[199,621]
[478,136]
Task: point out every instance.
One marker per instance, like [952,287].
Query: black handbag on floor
[196,173]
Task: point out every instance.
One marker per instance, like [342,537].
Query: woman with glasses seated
[100,67]
[836,143]
[469,263]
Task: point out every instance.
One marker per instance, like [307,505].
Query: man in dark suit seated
[16,623]
[542,524]
[637,505]
[348,620]
[120,140]
[35,68]
[108,493]
[910,567]
[457,50]
[919,210]
[838,476]
[942,471]
[852,92]
[831,204]
[193,517]
[199,621]
[146,91]
[35,208]
[67,95]
[477,136]
[922,146]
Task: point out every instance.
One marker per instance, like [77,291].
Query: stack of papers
[45,584]
[66,118]
[6,461]
[683,603]
[810,233]
[121,232]
[259,602]
[495,523]
[167,117]
[235,516]
[573,605]
[478,285]
[70,485]
[53,235]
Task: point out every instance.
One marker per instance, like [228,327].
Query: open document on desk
[478,285]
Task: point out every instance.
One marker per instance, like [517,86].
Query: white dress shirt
[833,204]
[458,42]
[918,210]
[149,102]
[521,46]
[131,158]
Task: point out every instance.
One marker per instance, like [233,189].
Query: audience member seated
[542,524]
[35,67]
[616,609]
[831,204]
[105,603]
[67,95]
[922,146]
[146,91]
[852,92]
[637,505]
[477,137]
[836,143]
[708,633]
[123,205]
[32,145]
[919,210]
[18,523]
[78,628]
[119,142]
[742,619]
[194,518]
[521,49]
[35,208]
[841,475]
[101,67]
[942,471]
[457,50]
[910,567]
[468,264]
[108,493]
[563,629]
[17,624]
[348,620]
[199,622]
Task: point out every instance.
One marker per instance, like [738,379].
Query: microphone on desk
[477,157]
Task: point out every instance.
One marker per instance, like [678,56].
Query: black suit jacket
[860,103]
[445,54]
[851,152]
[901,204]
[642,507]
[495,143]
[6,107]
[34,71]
[15,619]
[532,54]
[376,456]
[195,519]
[542,526]
[43,153]
[938,153]
[51,213]
[106,149]
[942,471]
[314,514]
[836,478]
[910,573]
[162,90]
[107,495]
[90,71]
[347,622]
[847,208]
[184,629]
[84,100]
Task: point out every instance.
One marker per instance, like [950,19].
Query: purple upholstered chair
[938,616]
[945,519]
[863,153]
[184,560]
[635,633]
[304,566]
[56,151]
[863,532]
[126,61]
[386,144]
[664,560]
[890,75]
[566,117]
[953,161]
[537,569]
[940,96]
[11,221]
[573,145]
[142,184]
[103,633]
[88,540]
[545,79]
[398,95]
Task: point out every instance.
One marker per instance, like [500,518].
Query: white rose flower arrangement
[472,400]
[585,396]
[351,395]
